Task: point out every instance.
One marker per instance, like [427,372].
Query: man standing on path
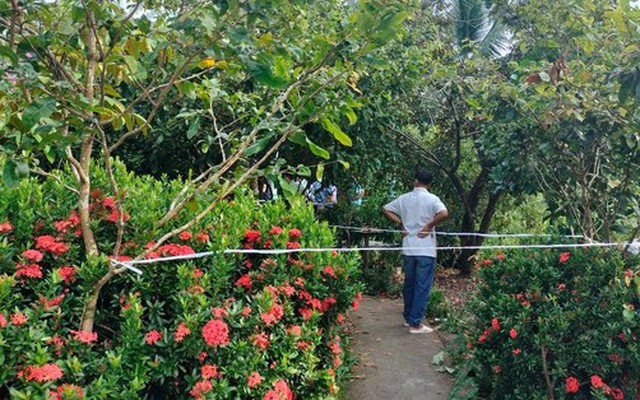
[418,212]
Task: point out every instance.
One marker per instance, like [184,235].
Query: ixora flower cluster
[283,318]
[228,326]
[546,322]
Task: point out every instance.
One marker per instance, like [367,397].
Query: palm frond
[476,27]
[497,40]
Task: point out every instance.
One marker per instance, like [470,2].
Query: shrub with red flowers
[249,326]
[551,324]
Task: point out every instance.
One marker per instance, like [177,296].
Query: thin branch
[188,186]
[239,152]
[545,370]
[155,109]
[41,172]
[116,193]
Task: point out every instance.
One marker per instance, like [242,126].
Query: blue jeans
[419,272]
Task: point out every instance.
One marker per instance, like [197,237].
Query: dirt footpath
[392,363]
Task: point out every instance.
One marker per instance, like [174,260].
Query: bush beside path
[392,363]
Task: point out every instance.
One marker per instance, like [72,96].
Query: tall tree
[83,77]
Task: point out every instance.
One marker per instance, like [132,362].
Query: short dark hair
[423,176]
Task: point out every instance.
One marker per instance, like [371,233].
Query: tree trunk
[468,225]
[90,245]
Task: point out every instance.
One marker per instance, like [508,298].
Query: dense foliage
[552,324]
[224,326]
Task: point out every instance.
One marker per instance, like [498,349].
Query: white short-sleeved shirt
[416,209]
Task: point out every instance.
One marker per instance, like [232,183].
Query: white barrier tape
[115,263]
[128,264]
[517,235]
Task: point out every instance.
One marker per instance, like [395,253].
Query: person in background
[417,212]
[322,196]
[264,190]
[356,193]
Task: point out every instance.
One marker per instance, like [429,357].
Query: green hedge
[225,326]
[552,324]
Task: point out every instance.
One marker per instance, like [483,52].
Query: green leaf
[320,172]
[6,52]
[4,117]
[299,138]
[193,128]
[37,110]
[22,169]
[317,150]
[628,314]
[337,133]
[438,358]
[289,189]
[259,145]
[345,164]
[9,174]
[544,76]
[351,115]
[263,71]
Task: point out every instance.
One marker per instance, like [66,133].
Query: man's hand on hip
[426,231]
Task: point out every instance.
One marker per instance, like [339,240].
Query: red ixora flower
[260,340]
[29,270]
[66,391]
[273,315]
[3,321]
[114,216]
[564,257]
[495,324]
[32,255]
[6,227]
[219,312]
[68,274]
[64,225]
[200,389]
[175,250]
[280,391]
[571,385]
[328,270]
[294,330]
[209,371]
[202,237]
[254,379]
[43,373]
[50,244]
[56,301]
[276,230]
[596,381]
[617,394]
[18,318]
[216,333]
[244,281]
[293,245]
[152,336]
[513,333]
[85,337]
[185,235]
[181,332]
[252,236]
[295,233]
